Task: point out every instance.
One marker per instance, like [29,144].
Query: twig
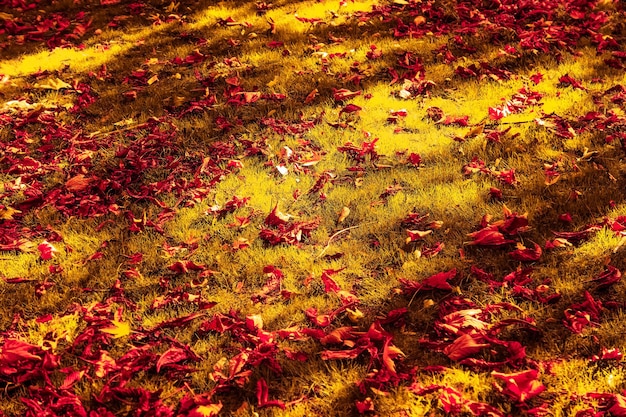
[330,239]
[620,244]
[519,122]
[124,129]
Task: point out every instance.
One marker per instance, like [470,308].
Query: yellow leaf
[6,213]
[273,82]
[173,7]
[117,329]
[124,123]
[475,131]
[419,20]
[153,79]
[210,410]
[53,84]
[345,211]
[354,315]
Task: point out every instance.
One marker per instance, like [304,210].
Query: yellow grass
[370,244]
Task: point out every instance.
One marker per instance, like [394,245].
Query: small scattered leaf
[117,329]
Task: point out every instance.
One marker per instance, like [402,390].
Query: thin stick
[620,244]
[330,239]
[124,129]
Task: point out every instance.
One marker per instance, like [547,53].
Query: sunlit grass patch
[273,115]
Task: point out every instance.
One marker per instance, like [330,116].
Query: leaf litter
[143,176]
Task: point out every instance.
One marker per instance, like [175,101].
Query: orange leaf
[343,214]
[311,96]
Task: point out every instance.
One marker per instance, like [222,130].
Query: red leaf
[415,159]
[433,250]
[577,236]
[608,354]
[183,267]
[72,377]
[483,409]
[262,394]
[311,96]
[78,183]
[311,20]
[506,176]
[341,354]
[456,120]
[46,250]
[329,284]
[390,352]
[350,108]
[374,52]
[19,280]
[338,336]
[520,386]
[415,235]
[251,96]
[174,355]
[437,281]
[274,278]
[464,346]
[496,113]
[610,276]
[276,218]
[365,405]
[254,322]
[495,193]
[536,78]
[275,44]
[513,223]
[567,80]
[440,280]
[343,94]
[489,236]
[14,350]
[618,408]
[452,401]
[322,320]
[524,254]
[565,218]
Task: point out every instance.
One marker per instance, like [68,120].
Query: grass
[189,166]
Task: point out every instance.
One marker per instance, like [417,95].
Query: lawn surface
[312,208]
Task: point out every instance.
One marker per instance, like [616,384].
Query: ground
[312,208]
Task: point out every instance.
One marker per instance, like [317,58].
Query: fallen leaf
[311,96]
[7,212]
[46,250]
[78,183]
[345,212]
[520,386]
[53,84]
[117,329]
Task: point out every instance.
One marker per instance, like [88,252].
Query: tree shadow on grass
[223,82]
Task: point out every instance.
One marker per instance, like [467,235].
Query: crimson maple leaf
[520,386]
[464,346]
[524,254]
[488,236]
[437,281]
